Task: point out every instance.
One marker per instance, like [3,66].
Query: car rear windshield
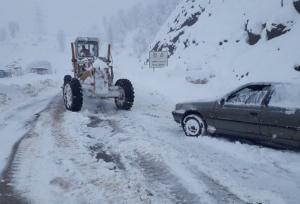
[285,96]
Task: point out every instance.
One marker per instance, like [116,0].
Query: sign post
[158,59]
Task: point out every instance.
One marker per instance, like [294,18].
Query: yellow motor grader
[94,76]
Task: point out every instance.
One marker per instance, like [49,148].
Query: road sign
[158,59]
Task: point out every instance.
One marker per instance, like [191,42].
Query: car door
[280,119]
[240,113]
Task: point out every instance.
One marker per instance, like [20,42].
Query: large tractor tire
[125,101]
[67,78]
[72,92]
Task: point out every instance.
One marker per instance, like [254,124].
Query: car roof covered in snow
[261,83]
[273,83]
[264,83]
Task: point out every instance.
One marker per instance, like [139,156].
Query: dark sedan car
[264,112]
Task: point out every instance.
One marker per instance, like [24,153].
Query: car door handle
[254,113]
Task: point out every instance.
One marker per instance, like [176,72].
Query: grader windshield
[87,48]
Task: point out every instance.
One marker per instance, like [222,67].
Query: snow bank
[19,90]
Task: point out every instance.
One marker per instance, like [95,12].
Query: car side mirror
[222,101]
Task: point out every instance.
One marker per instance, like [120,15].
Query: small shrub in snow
[186,43]
[197,81]
[297,67]
[242,76]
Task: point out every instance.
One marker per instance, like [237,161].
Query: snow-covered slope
[233,40]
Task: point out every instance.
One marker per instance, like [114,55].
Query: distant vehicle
[40,70]
[40,67]
[5,73]
[267,113]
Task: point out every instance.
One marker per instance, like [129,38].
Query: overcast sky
[69,15]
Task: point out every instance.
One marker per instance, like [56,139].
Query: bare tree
[3,34]
[142,21]
[39,21]
[61,39]
[13,29]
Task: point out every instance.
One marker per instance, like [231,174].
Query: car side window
[256,97]
[251,95]
[239,97]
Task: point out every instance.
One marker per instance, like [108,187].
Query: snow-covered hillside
[236,41]
[105,155]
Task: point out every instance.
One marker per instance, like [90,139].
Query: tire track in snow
[159,172]
[7,192]
[159,175]
[156,173]
[218,192]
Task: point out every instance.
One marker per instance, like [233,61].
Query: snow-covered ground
[102,155]
[20,99]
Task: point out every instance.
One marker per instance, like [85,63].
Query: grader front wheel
[72,93]
[125,101]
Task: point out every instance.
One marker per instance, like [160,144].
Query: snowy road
[102,155]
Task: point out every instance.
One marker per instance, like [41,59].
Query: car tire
[193,125]
[72,94]
[125,102]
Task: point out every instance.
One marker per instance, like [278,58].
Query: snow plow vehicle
[94,76]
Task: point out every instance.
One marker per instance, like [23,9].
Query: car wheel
[193,125]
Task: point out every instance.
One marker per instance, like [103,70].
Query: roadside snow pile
[18,90]
[239,41]
[199,76]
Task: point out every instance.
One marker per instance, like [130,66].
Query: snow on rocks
[221,41]
[297,5]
